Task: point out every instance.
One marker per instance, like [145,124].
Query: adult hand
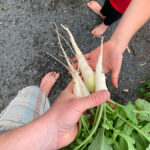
[112,60]
[67,110]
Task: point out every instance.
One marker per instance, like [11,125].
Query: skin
[95,7]
[48,81]
[58,126]
[115,47]
[101,28]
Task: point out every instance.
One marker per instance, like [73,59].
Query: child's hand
[112,60]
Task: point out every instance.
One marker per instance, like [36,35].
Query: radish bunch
[92,82]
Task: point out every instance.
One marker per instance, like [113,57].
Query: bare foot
[96,7]
[99,30]
[48,81]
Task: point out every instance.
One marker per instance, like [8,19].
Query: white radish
[79,87]
[100,79]
[86,70]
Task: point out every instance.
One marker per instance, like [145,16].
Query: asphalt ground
[26,29]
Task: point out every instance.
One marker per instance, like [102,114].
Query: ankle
[104,25]
[101,15]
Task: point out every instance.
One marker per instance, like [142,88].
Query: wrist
[48,124]
[116,46]
[119,43]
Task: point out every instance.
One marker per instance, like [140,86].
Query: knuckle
[75,106]
[94,100]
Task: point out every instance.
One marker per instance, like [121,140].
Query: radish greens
[106,127]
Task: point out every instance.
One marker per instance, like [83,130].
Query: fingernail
[105,94]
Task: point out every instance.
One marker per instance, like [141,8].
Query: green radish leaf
[127,129]
[86,121]
[143,106]
[147,94]
[130,141]
[123,144]
[147,83]
[120,144]
[120,111]
[112,140]
[143,115]
[108,124]
[119,123]
[141,142]
[117,146]
[142,90]
[146,130]
[100,142]
[130,113]
[148,148]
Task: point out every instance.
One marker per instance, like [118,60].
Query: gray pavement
[26,29]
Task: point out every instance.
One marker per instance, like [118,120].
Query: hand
[112,60]
[68,108]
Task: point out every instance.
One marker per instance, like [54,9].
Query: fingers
[93,100]
[68,90]
[69,87]
[66,94]
[114,78]
[114,82]
[75,65]
[86,57]
[74,59]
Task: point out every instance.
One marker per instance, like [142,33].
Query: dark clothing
[111,14]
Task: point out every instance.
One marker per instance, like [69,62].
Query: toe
[92,2]
[46,76]
[89,4]
[53,74]
[57,76]
[96,34]
[50,73]
[93,32]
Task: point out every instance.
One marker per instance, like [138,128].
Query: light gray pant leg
[28,105]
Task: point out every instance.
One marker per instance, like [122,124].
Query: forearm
[38,135]
[135,16]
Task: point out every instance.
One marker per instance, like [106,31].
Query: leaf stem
[94,128]
[80,127]
[130,124]
[111,101]
[84,124]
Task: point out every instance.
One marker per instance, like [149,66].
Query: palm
[112,60]
[68,118]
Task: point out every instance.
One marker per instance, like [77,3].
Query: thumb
[93,100]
